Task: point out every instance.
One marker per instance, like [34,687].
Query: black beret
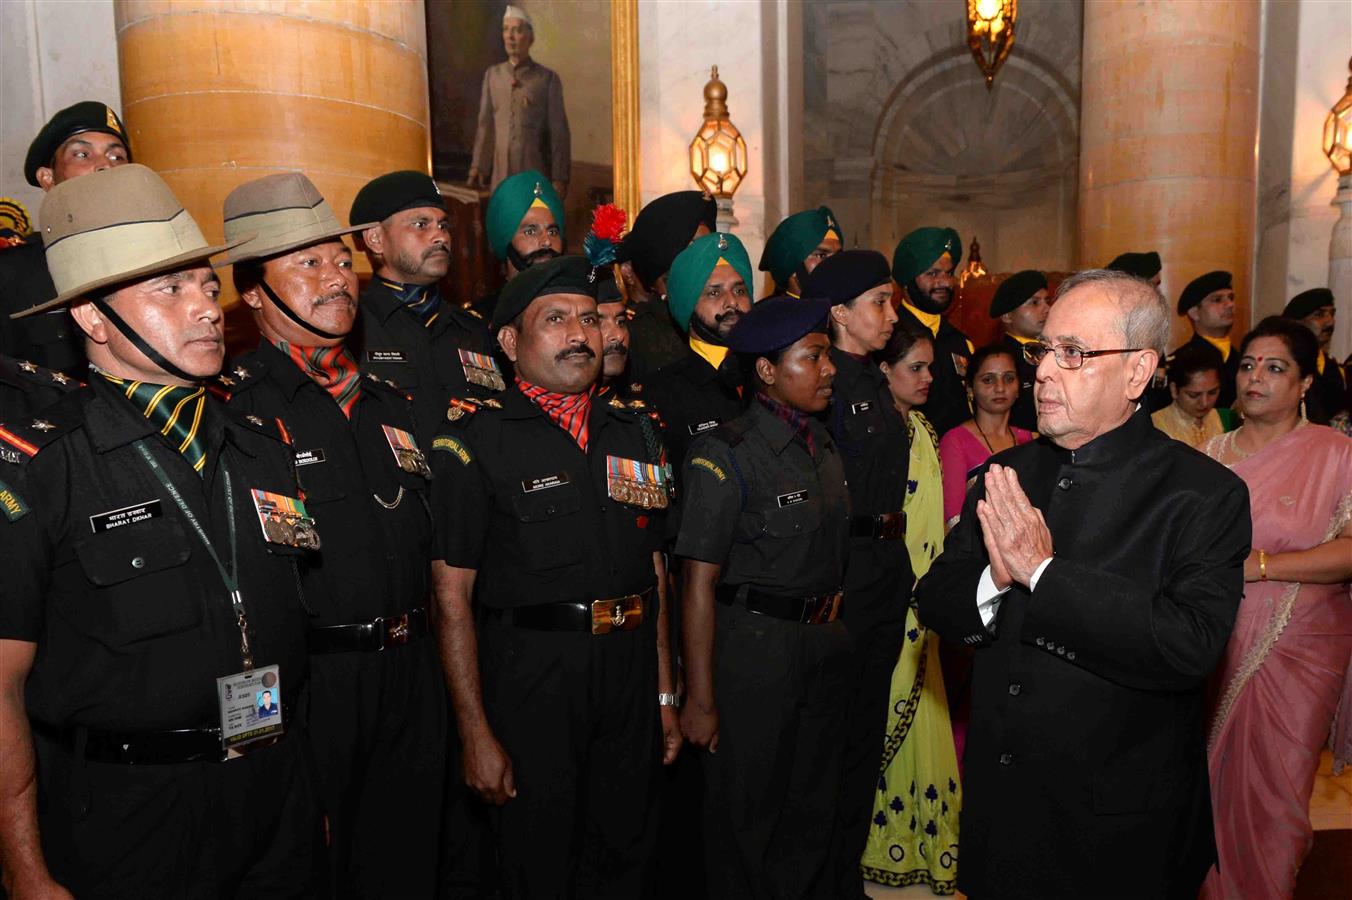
[1308,302]
[776,322]
[663,229]
[1015,290]
[395,192]
[1200,286]
[560,275]
[607,291]
[1142,265]
[88,115]
[845,275]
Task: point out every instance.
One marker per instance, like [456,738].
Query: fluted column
[1168,139]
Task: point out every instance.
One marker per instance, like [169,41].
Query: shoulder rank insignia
[241,373]
[616,402]
[474,312]
[19,440]
[459,407]
[30,368]
[226,380]
[42,425]
[254,420]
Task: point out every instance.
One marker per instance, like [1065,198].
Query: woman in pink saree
[1284,684]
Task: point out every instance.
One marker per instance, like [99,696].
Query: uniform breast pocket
[794,519]
[144,589]
[863,421]
[547,522]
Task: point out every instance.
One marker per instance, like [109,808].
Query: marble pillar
[1340,268]
[219,92]
[1168,139]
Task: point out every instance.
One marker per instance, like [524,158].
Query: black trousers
[378,722]
[875,616]
[245,828]
[773,786]
[578,715]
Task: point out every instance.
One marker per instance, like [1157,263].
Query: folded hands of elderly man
[1016,536]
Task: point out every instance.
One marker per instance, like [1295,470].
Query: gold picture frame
[624,109]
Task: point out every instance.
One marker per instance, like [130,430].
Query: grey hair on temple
[1145,313]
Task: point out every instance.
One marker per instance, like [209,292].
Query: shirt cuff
[988,597]
[1037,573]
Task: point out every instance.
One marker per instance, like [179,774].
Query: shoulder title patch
[451,445]
[12,504]
[708,465]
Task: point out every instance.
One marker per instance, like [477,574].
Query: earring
[1302,407]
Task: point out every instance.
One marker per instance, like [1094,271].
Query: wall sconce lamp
[718,152]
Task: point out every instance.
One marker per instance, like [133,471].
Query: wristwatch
[666,699]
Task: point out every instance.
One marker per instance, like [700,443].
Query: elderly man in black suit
[1097,572]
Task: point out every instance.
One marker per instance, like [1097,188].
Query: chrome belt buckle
[619,614]
[396,631]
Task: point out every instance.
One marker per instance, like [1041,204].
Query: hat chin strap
[295,316]
[141,344]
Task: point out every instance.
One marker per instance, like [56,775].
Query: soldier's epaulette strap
[462,409]
[235,378]
[271,427]
[22,439]
[44,377]
[732,433]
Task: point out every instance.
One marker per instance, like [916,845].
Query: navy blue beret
[1308,302]
[846,275]
[1200,286]
[1015,290]
[776,322]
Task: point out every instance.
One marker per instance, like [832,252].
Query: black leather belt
[887,527]
[597,616]
[149,748]
[817,610]
[369,637]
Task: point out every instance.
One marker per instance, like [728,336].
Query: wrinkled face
[802,377]
[1076,406]
[935,286]
[614,321]
[866,321]
[1027,319]
[318,283]
[829,246]
[1322,322]
[517,38]
[1215,314]
[538,237]
[996,385]
[88,151]
[1198,397]
[558,345]
[178,314]
[1269,384]
[909,378]
[724,301]
[414,245]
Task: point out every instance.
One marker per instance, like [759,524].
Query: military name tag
[861,407]
[284,520]
[127,515]
[793,498]
[386,356]
[250,706]
[637,483]
[702,427]
[406,452]
[309,457]
[544,482]
[482,370]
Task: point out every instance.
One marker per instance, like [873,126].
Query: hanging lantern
[1338,131]
[974,268]
[990,33]
[718,152]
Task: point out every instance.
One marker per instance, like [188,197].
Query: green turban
[691,269]
[921,249]
[794,239]
[511,200]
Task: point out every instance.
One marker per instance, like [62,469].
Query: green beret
[560,275]
[1142,265]
[921,249]
[1015,290]
[692,266]
[89,115]
[509,203]
[1199,287]
[794,239]
[1308,302]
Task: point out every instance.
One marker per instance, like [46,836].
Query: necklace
[1012,441]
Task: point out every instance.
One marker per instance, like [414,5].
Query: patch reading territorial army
[284,520]
[13,505]
[127,515]
[701,427]
[544,482]
[792,498]
[309,457]
[482,370]
[386,356]
[452,446]
[860,407]
[636,483]
[708,466]
[406,452]
[959,364]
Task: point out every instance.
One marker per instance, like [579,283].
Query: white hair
[1145,312]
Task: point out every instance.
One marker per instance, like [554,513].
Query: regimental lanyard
[227,576]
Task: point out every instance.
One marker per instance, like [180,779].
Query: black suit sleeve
[1169,639]
[947,594]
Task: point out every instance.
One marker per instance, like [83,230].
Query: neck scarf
[928,319]
[713,354]
[332,368]
[1221,344]
[791,417]
[568,411]
[423,300]
[175,410]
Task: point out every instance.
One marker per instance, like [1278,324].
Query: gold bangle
[1262,565]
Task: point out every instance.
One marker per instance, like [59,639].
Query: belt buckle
[891,526]
[618,614]
[821,610]
[395,631]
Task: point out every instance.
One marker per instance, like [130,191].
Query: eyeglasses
[1068,356]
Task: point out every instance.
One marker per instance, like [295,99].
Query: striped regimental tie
[176,411]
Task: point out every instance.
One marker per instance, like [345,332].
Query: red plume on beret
[608,222]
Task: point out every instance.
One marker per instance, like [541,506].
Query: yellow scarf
[713,354]
[1320,364]
[1021,340]
[1221,344]
[929,320]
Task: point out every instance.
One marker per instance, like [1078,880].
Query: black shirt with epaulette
[694,398]
[391,342]
[516,499]
[756,502]
[26,387]
[373,518]
[50,339]
[104,572]
[947,406]
[1023,414]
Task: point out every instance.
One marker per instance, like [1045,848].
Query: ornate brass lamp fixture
[718,152]
[990,33]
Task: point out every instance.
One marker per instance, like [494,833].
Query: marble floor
[1330,809]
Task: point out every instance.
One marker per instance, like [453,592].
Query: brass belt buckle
[619,614]
[396,631]
[824,609]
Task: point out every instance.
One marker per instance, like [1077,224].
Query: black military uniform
[50,339]
[1328,393]
[693,398]
[1229,370]
[947,406]
[392,342]
[26,387]
[1023,414]
[134,625]
[378,708]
